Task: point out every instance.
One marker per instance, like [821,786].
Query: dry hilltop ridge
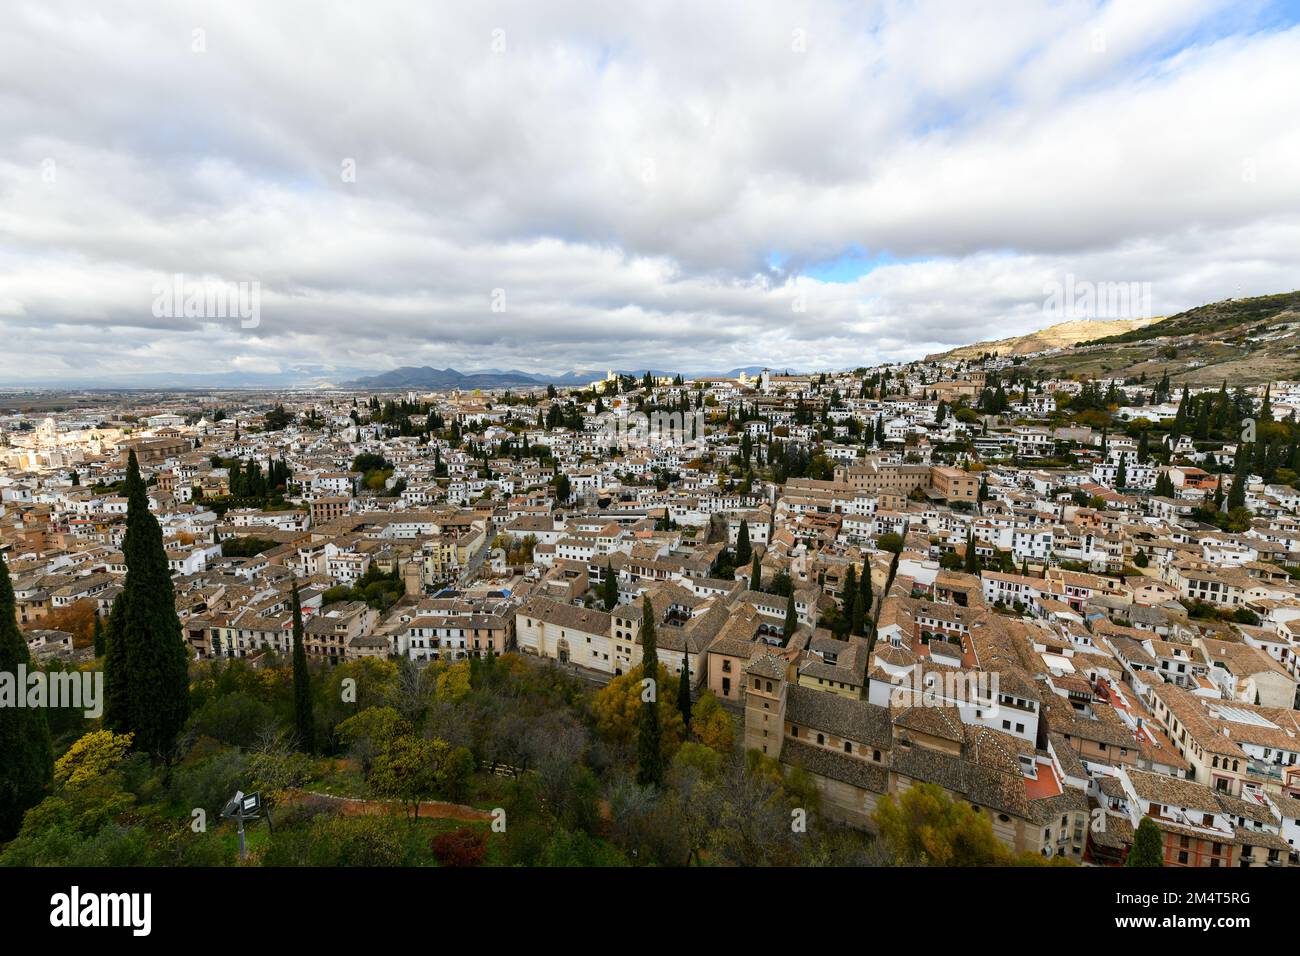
[1053,337]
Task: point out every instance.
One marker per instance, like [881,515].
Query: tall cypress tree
[1241,474]
[743,551]
[26,759]
[756,575]
[972,563]
[650,761]
[303,718]
[116,693]
[684,693]
[865,586]
[609,587]
[100,642]
[146,668]
[791,620]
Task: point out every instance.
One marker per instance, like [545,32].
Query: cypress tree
[972,562]
[756,575]
[650,762]
[791,620]
[1237,493]
[684,693]
[99,639]
[116,710]
[303,718]
[743,551]
[1148,846]
[26,758]
[865,587]
[609,587]
[146,668]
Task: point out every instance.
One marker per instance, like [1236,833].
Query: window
[821,738]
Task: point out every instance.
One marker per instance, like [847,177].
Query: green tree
[609,587]
[684,691]
[1240,475]
[146,667]
[406,770]
[26,759]
[1148,846]
[971,564]
[743,548]
[791,620]
[923,826]
[303,718]
[890,541]
[864,585]
[98,636]
[650,761]
[756,574]
[858,615]
[711,725]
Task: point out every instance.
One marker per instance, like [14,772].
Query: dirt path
[429,809]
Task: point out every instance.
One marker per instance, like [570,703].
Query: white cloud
[624,175]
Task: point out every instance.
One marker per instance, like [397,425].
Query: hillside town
[1072,605]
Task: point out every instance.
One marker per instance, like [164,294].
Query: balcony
[1261,768]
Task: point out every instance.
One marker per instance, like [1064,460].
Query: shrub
[463,847]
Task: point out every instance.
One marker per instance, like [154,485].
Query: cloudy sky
[694,185]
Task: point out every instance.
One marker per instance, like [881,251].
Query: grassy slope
[1243,341]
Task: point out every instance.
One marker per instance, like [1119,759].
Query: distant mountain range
[424,376]
[301,376]
[1242,341]
[448,378]
[295,376]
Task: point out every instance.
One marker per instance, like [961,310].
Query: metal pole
[243,853]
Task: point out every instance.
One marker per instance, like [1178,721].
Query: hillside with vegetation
[1242,341]
[1056,336]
